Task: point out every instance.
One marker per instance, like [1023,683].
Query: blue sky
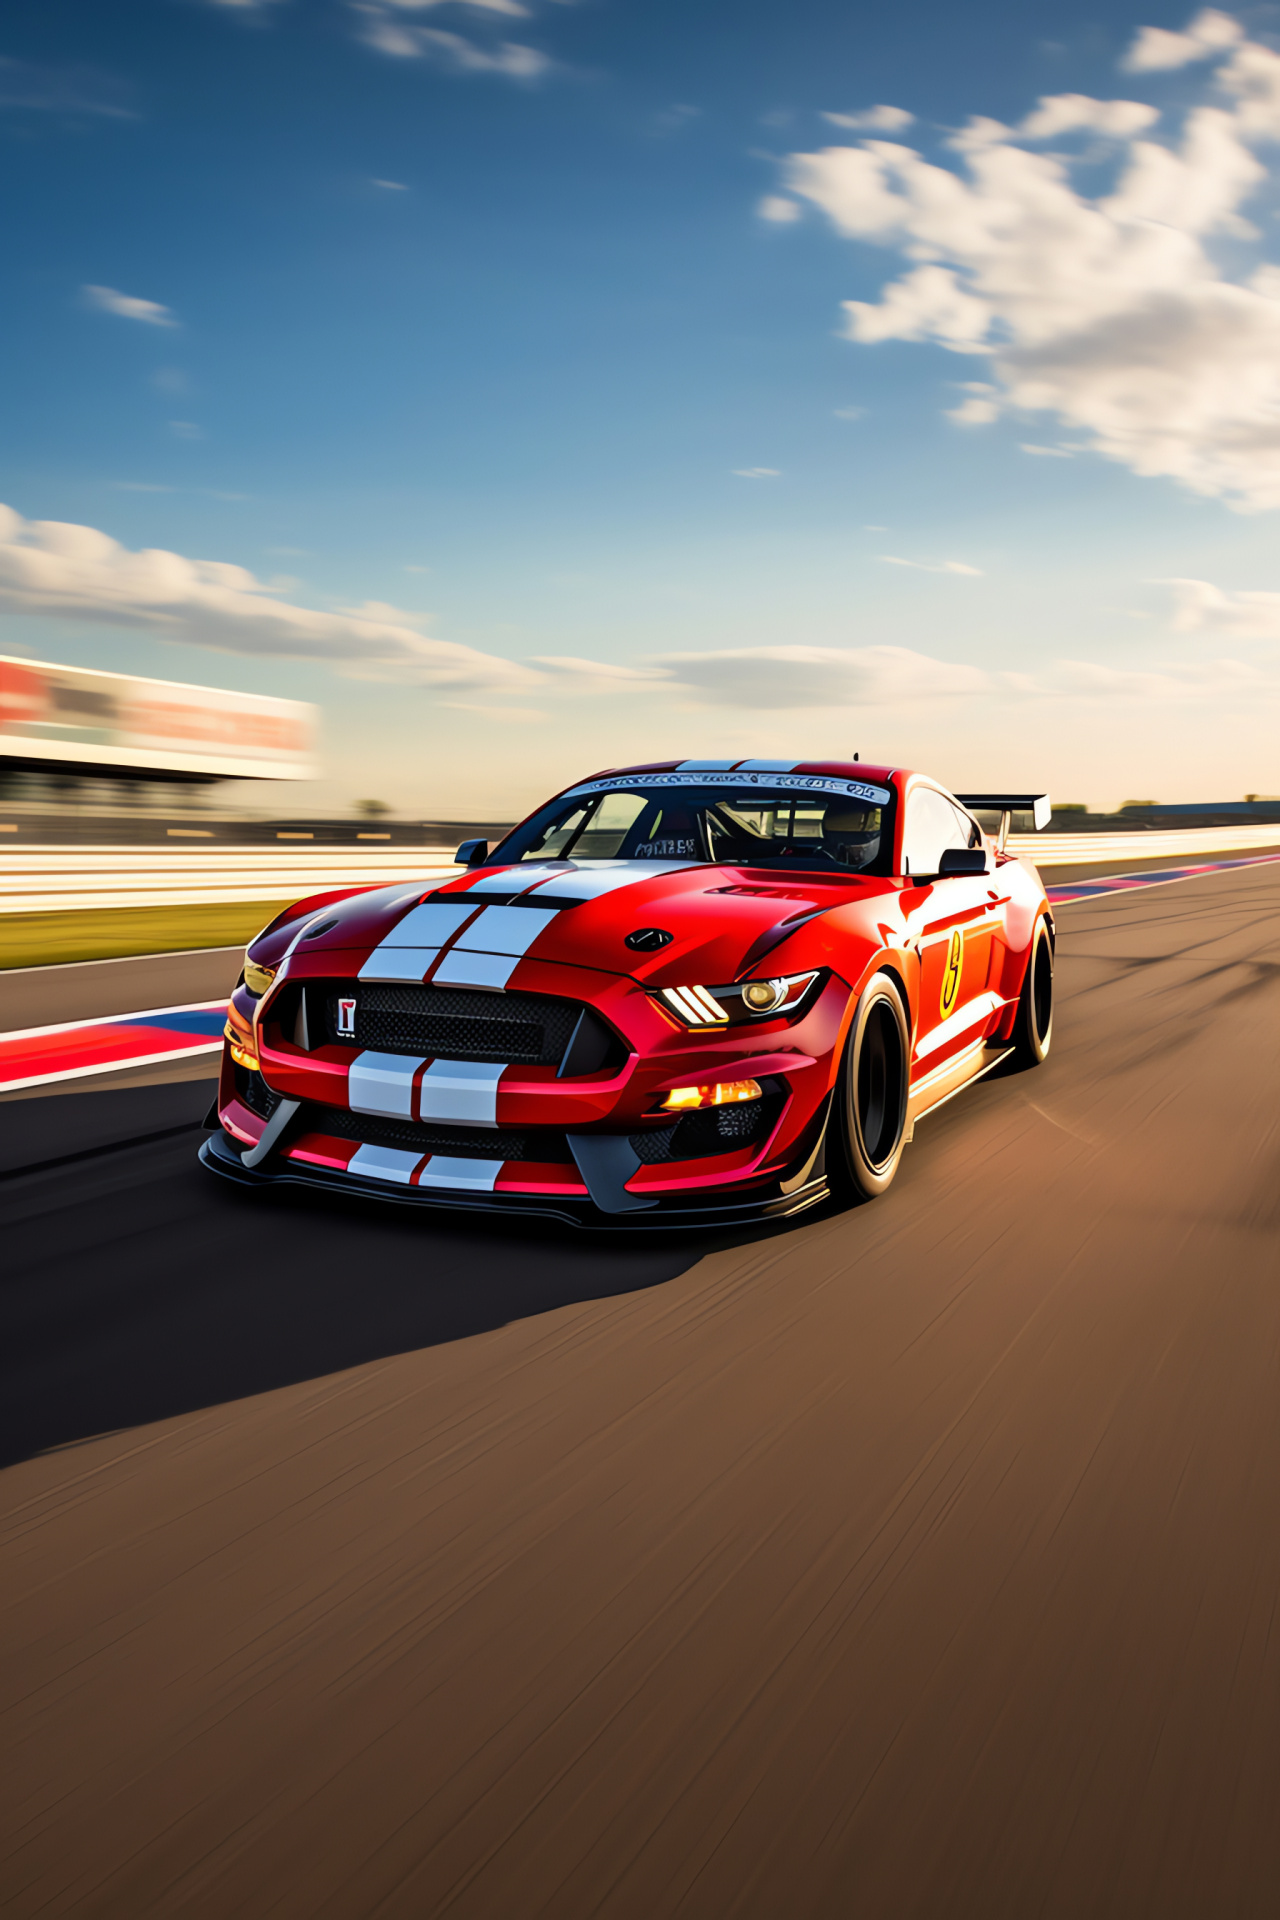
[578,383]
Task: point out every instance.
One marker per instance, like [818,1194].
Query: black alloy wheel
[872,1095]
[1033,1027]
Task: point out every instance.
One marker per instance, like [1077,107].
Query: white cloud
[1167,682]
[390,186]
[507,59]
[1046,453]
[766,677]
[1157,50]
[757,473]
[185,430]
[107,300]
[1108,313]
[600,676]
[849,413]
[77,573]
[932,566]
[69,92]
[510,716]
[1069,112]
[673,119]
[776,207]
[62,571]
[511,8]
[974,413]
[1200,607]
[873,120]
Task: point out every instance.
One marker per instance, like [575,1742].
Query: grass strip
[109,933]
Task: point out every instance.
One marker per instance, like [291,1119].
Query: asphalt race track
[918,1561]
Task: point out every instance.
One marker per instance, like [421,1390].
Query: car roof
[840,769]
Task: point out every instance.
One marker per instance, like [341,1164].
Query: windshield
[806,821]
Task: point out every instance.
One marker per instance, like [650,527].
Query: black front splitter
[221,1156]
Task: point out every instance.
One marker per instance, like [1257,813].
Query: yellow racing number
[951,972]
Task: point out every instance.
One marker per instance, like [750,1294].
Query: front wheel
[1033,1027]
[872,1092]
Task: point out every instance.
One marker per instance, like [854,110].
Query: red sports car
[686,993]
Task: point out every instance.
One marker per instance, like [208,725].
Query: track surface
[917,1561]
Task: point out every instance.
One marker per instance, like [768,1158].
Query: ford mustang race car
[686,993]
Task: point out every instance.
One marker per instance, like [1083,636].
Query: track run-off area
[916,1560]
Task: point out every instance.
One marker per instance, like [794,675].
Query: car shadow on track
[137,1286]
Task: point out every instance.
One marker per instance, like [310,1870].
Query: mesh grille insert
[256,1094]
[446,1023]
[695,1136]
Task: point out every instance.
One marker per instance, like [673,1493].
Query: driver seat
[848,836]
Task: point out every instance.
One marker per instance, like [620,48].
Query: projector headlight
[750,1000]
[257,979]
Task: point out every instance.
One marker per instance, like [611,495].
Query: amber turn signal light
[241,1052]
[722,1093]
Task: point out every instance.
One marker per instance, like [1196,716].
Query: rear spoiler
[1007,804]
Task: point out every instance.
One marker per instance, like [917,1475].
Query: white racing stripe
[414,943]
[384,1163]
[491,970]
[510,930]
[470,1176]
[514,879]
[404,964]
[601,877]
[462,1090]
[382,1083]
[487,953]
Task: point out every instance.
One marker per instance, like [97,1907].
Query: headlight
[751,1000]
[257,978]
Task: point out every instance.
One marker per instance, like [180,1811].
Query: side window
[970,830]
[557,835]
[932,825]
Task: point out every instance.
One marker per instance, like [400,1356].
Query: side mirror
[961,860]
[472,853]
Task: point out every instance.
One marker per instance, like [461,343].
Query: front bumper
[588,1146]
[690,1209]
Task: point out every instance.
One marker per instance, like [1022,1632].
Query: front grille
[696,1136]
[448,1023]
[253,1090]
[468,1143]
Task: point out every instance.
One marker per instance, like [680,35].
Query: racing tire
[872,1091]
[1033,1024]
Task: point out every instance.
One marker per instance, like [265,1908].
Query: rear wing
[1006,805]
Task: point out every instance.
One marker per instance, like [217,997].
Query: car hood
[721,919]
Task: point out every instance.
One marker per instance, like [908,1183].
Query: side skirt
[946,1081]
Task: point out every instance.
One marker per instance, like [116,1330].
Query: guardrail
[1090,849]
[64,879]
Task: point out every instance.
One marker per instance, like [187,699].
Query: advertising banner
[73,718]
